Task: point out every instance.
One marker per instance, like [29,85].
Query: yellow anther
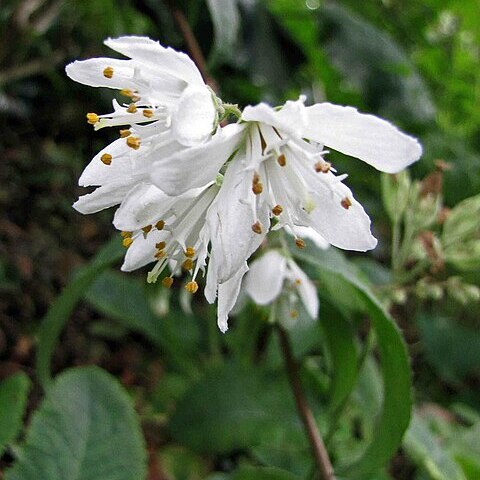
[257,228]
[148,113]
[298,281]
[346,203]
[191,287]
[299,243]
[126,92]
[293,314]
[159,225]
[125,133]
[323,167]
[126,234]
[106,158]
[167,282]
[108,72]
[190,252]
[257,188]
[277,210]
[133,142]
[160,245]
[146,229]
[282,160]
[160,254]
[187,264]
[92,118]
[132,108]
[127,241]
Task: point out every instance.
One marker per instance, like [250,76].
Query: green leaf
[124,299]
[427,451]
[226,25]
[85,429]
[342,349]
[262,473]
[232,407]
[58,314]
[13,400]
[394,416]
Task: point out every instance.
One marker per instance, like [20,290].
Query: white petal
[290,119]
[103,197]
[227,296]
[121,168]
[142,251]
[264,281]
[196,166]
[347,229]
[151,53]
[310,233]
[369,138]
[230,219]
[144,205]
[194,117]
[306,288]
[90,72]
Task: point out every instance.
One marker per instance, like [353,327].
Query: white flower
[170,109]
[273,277]
[275,173]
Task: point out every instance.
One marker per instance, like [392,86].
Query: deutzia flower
[169,108]
[274,277]
[275,173]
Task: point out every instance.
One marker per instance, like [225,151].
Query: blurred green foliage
[219,406]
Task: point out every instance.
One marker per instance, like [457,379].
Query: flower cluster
[200,197]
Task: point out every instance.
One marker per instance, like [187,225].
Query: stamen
[187,264]
[160,245]
[263,143]
[126,234]
[106,158]
[257,228]
[293,313]
[159,225]
[92,118]
[160,254]
[146,229]
[167,282]
[298,281]
[126,92]
[132,108]
[190,252]
[346,203]
[125,133]
[277,210]
[299,243]
[191,287]
[148,113]
[108,72]
[282,160]
[257,186]
[133,142]
[323,167]
[127,241]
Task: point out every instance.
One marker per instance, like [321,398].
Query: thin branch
[191,43]
[318,447]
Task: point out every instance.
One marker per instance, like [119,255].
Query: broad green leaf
[394,416]
[59,313]
[85,429]
[124,299]
[262,473]
[342,349]
[427,451]
[226,25]
[232,407]
[13,400]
